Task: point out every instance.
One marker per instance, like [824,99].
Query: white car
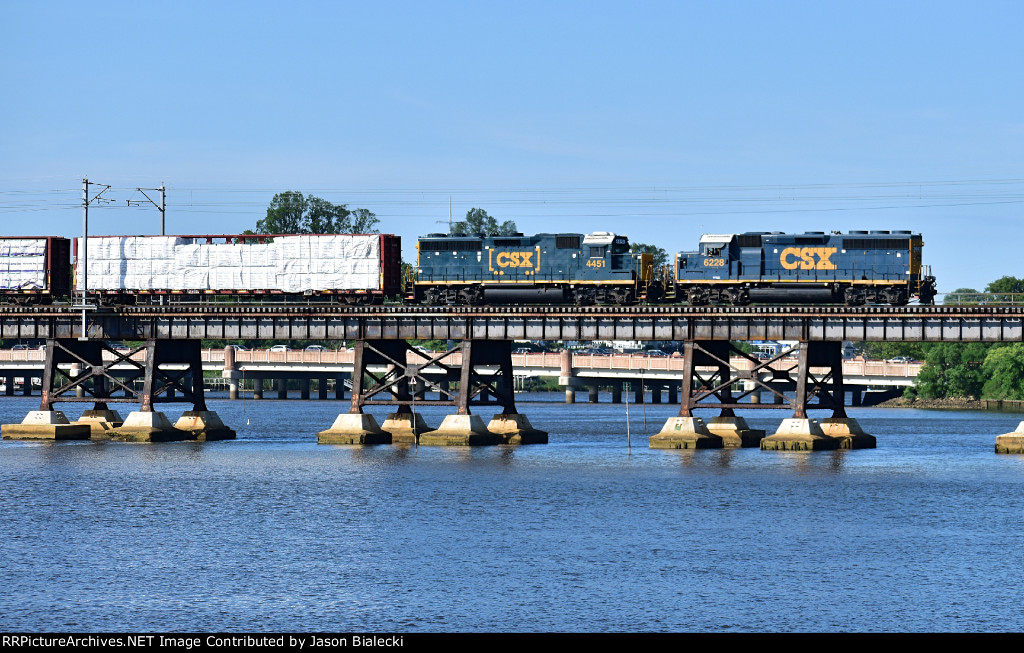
[280,348]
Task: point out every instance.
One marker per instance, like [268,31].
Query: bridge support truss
[76,371]
[813,381]
[472,374]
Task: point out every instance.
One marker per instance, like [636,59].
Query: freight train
[561,268]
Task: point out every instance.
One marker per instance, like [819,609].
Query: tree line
[963,369]
[292,212]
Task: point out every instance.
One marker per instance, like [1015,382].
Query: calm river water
[272,532]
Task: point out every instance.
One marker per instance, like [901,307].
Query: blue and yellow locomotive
[562,268]
[856,268]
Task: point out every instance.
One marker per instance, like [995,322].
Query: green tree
[322,217]
[1003,370]
[875,350]
[1006,285]
[952,369]
[284,215]
[362,221]
[478,222]
[1008,290]
[292,212]
[659,254]
[962,296]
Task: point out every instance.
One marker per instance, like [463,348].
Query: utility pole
[162,206]
[82,264]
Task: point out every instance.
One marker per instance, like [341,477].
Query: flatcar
[341,268]
[547,268]
[34,269]
[855,268]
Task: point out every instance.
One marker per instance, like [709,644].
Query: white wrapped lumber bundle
[289,264]
[22,263]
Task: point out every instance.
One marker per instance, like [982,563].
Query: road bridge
[479,370]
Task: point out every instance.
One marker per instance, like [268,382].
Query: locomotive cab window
[598,252]
[713,251]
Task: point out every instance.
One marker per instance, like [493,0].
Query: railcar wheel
[584,297]
[431,297]
[472,296]
[623,297]
[895,297]
[697,297]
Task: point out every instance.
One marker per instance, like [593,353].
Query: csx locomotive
[859,267]
[878,267]
[580,269]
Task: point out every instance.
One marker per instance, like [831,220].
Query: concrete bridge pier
[404,425]
[282,388]
[734,430]
[257,387]
[404,384]
[230,373]
[1012,442]
[686,431]
[46,425]
[616,392]
[304,385]
[477,388]
[593,393]
[93,380]
[567,376]
[801,433]
[656,389]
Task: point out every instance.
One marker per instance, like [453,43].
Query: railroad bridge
[483,376]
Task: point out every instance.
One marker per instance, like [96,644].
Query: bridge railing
[982,299]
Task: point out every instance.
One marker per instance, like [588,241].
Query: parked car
[316,348]
[239,347]
[118,346]
[280,348]
[522,350]
[656,353]
[19,347]
[902,359]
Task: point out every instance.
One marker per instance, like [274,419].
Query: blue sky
[659,120]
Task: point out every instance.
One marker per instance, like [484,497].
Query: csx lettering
[514,260]
[804,258]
